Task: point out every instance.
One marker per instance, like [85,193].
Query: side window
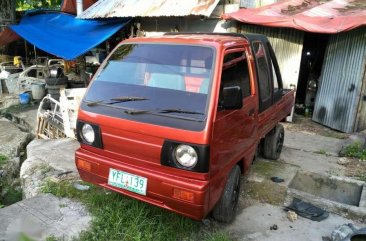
[235,72]
[263,71]
[277,80]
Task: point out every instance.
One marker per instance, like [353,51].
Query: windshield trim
[150,112]
[170,115]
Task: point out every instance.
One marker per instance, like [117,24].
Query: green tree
[23,5]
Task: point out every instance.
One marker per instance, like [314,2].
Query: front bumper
[160,187]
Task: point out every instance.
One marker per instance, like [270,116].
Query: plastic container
[38,91]
[24,98]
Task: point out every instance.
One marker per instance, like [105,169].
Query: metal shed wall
[287,44]
[340,83]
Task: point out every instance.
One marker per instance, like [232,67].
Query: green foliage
[218,236]
[23,5]
[355,150]
[51,238]
[321,152]
[24,237]
[117,217]
[10,195]
[3,159]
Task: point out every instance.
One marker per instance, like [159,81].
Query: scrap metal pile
[58,95]
[57,119]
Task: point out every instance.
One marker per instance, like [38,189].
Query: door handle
[251,112]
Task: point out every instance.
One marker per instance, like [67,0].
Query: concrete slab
[24,116]
[312,162]
[47,159]
[7,101]
[312,143]
[43,216]
[263,169]
[254,222]
[12,139]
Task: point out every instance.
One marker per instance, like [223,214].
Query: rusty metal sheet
[340,84]
[318,16]
[148,8]
[7,36]
[69,6]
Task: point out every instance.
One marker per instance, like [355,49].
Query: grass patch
[321,152]
[266,192]
[3,159]
[10,195]
[355,150]
[117,217]
[362,177]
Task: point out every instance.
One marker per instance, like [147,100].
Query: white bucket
[38,91]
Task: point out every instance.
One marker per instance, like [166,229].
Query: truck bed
[276,113]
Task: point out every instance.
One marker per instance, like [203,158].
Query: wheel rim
[279,143]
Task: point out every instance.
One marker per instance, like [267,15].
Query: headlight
[87,133]
[186,155]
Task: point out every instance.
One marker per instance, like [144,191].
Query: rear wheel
[273,143]
[225,209]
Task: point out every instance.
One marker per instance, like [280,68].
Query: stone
[292,216]
[12,140]
[343,161]
[48,160]
[43,216]
[12,143]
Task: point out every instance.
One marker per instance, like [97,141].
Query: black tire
[46,105]
[55,87]
[56,81]
[225,209]
[56,96]
[76,84]
[52,91]
[273,143]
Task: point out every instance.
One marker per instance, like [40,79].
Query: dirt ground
[356,169]
[308,126]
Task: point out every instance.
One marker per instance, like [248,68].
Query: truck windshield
[153,78]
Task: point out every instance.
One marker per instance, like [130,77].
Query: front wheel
[224,211]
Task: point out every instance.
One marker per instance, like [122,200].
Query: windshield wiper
[126,99]
[94,103]
[115,100]
[162,111]
[180,111]
[167,113]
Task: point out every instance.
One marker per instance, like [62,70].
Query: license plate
[127,181]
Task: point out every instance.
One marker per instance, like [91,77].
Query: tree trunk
[7,12]
[7,16]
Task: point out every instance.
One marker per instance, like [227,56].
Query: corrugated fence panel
[287,44]
[340,83]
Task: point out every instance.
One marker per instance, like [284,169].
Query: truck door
[234,131]
[264,67]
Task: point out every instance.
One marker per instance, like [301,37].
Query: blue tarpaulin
[64,35]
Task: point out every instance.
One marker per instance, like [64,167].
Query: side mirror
[232,98]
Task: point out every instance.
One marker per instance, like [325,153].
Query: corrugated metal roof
[340,83]
[148,8]
[287,44]
[69,6]
[319,16]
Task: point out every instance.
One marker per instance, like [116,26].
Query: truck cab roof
[225,39]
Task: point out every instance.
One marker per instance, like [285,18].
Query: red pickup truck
[175,120]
